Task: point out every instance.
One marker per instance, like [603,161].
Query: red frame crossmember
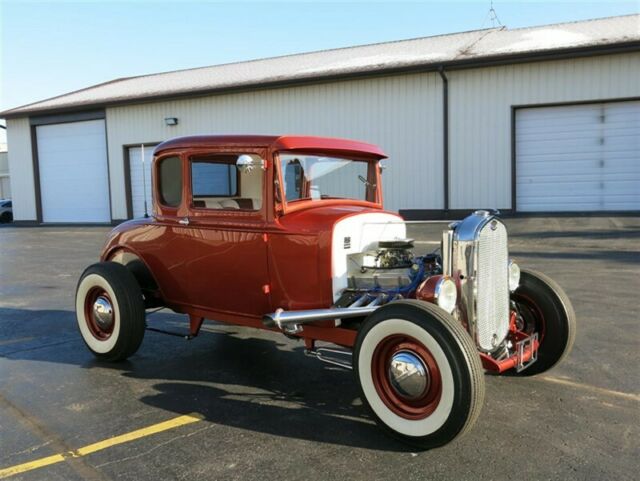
[500,366]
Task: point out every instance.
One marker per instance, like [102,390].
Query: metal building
[541,119]
[5,186]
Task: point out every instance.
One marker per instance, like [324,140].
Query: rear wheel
[6,217]
[419,373]
[110,311]
[543,307]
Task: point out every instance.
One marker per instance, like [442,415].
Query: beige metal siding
[403,114]
[21,168]
[480,115]
[5,187]
[4,163]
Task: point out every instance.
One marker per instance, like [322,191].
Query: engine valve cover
[379,278]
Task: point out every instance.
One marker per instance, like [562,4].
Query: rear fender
[140,270]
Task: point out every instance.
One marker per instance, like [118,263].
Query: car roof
[275,142]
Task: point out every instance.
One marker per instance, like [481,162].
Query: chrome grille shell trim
[479,258]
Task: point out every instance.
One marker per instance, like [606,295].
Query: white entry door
[578,158]
[74,176]
[140,175]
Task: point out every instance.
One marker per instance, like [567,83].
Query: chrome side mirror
[383,166]
[246,163]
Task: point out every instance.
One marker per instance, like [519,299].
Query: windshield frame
[373,170]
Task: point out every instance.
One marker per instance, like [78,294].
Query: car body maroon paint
[235,266]
[304,247]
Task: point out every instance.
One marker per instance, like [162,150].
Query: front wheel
[110,311]
[419,373]
[543,307]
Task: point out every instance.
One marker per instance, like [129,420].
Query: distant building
[541,119]
[5,185]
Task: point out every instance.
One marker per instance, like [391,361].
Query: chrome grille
[492,284]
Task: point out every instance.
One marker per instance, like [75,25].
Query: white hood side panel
[359,233]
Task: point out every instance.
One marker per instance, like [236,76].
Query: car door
[227,257]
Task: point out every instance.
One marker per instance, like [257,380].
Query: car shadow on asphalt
[226,375]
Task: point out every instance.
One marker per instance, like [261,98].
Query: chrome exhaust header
[288,319]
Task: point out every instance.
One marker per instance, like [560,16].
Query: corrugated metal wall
[21,169]
[480,115]
[403,114]
[5,187]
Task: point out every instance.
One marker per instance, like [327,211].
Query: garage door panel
[579,113]
[140,184]
[74,177]
[626,143]
[560,130]
[567,189]
[613,180]
[550,168]
[577,167]
[578,158]
[579,146]
[566,162]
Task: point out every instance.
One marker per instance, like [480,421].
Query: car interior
[217,183]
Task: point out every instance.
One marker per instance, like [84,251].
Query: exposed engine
[391,254]
[391,268]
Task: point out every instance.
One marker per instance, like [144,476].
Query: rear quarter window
[170,181]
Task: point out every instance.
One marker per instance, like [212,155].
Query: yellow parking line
[99,446]
[609,392]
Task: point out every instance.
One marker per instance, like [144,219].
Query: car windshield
[318,177]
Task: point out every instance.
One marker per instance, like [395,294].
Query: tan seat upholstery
[230,204]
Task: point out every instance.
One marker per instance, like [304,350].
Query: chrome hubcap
[103,313]
[408,375]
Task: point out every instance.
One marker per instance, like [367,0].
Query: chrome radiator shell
[479,258]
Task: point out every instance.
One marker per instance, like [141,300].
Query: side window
[170,181]
[217,183]
[214,179]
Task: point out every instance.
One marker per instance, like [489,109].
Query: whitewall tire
[110,311]
[419,373]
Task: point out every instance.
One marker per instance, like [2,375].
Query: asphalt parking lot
[262,410]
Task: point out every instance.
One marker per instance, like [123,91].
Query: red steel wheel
[545,308]
[110,311]
[99,314]
[406,377]
[419,372]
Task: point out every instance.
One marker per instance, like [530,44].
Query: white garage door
[578,158]
[140,179]
[74,178]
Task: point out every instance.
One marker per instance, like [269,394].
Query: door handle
[184,221]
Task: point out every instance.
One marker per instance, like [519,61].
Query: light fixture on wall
[171,121]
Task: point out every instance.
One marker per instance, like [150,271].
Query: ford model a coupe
[289,234]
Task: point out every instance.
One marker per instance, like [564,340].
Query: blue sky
[49,48]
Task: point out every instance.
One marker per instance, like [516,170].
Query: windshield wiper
[366,182]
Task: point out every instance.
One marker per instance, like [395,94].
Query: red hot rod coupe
[289,234]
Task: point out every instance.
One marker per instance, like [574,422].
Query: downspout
[445,136]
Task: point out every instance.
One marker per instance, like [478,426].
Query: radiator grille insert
[492,282]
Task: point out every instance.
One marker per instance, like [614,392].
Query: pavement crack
[157,446]
[83,469]
[44,346]
[28,450]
